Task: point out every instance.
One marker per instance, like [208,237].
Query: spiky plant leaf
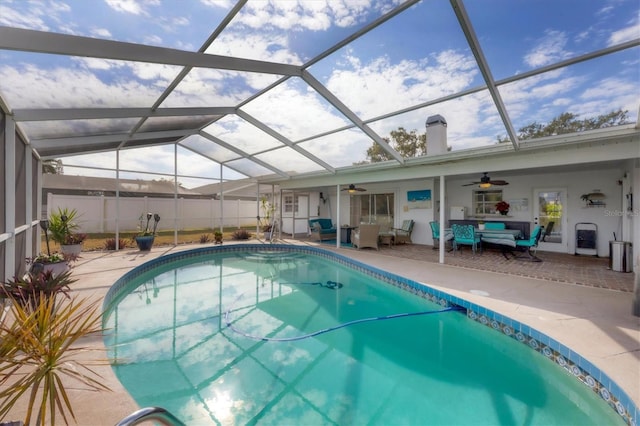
[39,344]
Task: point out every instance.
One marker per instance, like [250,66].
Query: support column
[10,196]
[442,245]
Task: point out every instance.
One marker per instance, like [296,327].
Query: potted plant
[56,263]
[481,225]
[63,228]
[502,207]
[146,237]
[30,287]
[38,348]
[268,209]
[217,236]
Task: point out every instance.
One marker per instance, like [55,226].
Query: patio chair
[435,234]
[366,235]
[531,243]
[495,225]
[403,234]
[465,235]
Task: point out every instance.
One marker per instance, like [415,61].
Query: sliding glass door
[372,208]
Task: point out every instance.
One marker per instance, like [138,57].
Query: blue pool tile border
[573,363]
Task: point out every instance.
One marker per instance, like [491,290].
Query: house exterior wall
[607,218]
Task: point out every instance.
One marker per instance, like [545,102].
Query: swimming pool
[173,346]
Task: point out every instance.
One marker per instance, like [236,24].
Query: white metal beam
[337,103]
[64,44]
[260,125]
[100,113]
[474,44]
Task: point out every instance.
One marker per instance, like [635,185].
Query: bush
[240,234]
[204,238]
[110,244]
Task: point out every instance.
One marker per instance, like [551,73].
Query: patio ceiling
[286,88]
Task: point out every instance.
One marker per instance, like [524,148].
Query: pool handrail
[158,414]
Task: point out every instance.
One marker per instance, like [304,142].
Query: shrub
[204,238]
[110,244]
[240,234]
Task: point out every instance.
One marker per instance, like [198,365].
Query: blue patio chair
[495,225]
[465,235]
[531,243]
[435,234]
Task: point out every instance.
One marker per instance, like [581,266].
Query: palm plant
[63,227]
[38,348]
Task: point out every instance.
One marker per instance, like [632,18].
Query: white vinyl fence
[99,214]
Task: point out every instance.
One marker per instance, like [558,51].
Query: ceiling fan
[487,182]
[352,188]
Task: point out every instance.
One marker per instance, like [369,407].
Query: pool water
[172,346]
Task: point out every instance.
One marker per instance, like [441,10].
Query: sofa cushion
[325,224]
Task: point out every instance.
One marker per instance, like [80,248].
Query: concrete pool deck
[596,323]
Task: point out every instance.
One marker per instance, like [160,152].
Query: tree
[408,144]
[52,167]
[569,123]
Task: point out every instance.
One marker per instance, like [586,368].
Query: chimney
[436,135]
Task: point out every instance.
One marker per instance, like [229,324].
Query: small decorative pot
[55,268]
[71,249]
[145,242]
[504,213]
[481,226]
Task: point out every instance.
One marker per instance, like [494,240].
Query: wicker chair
[366,235]
[403,234]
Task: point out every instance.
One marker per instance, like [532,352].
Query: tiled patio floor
[577,269]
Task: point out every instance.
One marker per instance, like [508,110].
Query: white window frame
[291,204]
[484,201]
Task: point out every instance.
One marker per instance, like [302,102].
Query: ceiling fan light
[485,185]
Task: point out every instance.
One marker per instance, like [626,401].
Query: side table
[345,234]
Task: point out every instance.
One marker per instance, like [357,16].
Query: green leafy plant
[46,258]
[38,347]
[217,236]
[63,227]
[268,209]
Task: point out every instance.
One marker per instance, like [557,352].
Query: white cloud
[28,86]
[272,48]
[319,15]
[295,111]
[631,32]
[134,7]
[31,19]
[223,4]
[551,48]
[101,33]
[380,86]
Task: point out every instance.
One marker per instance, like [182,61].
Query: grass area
[192,236]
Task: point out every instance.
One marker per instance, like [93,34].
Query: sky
[417,57]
